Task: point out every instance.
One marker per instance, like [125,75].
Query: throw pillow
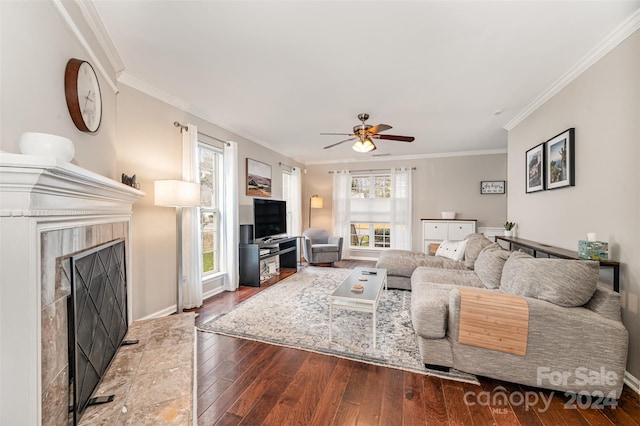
[475,243]
[489,265]
[453,250]
[563,282]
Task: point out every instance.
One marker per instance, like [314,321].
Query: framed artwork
[492,187]
[258,178]
[535,169]
[560,159]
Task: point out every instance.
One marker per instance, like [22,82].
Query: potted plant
[508,228]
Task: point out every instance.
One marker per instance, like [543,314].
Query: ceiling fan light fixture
[363,147]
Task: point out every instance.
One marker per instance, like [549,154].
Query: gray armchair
[321,247]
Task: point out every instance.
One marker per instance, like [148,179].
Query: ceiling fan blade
[395,138]
[338,143]
[342,134]
[379,128]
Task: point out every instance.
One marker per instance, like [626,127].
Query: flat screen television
[269,218]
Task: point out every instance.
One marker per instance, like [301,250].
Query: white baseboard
[159,314]
[361,258]
[172,309]
[212,293]
[632,382]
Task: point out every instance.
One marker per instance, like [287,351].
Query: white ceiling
[280,73]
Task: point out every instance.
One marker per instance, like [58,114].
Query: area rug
[295,313]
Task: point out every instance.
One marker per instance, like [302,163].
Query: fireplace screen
[97,311]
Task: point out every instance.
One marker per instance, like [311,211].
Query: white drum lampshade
[176,193]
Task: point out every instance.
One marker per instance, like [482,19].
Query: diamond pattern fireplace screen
[97,310]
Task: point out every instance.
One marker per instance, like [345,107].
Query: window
[291,190]
[370,211]
[286,196]
[375,235]
[210,172]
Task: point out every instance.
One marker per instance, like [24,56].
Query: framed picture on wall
[258,178]
[492,187]
[535,169]
[560,159]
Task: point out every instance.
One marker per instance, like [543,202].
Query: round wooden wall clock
[82,91]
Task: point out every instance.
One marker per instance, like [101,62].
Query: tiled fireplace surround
[56,246]
[48,210]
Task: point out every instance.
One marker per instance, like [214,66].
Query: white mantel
[40,194]
[43,186]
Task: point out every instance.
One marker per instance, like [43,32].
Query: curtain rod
[284,165]
[183,127]
[370,170]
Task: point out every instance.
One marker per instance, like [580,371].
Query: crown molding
[152,91]
[174,101]
[85,44]
[96,25]
[614,38]
[405,157]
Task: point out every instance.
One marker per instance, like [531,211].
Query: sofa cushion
[475,244]
[489,264]
[325,248]
[429,310]
[605,302]
[453,250]
[452,277]
[563,282]
[403,262]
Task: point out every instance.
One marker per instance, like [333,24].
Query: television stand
[285,248]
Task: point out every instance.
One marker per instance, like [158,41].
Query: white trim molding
[632,382]
[95,23]
[85,44]
[615,37]
[174,101]
[406,157]
[42,186]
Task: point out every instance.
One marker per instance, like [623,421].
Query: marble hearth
[48,210]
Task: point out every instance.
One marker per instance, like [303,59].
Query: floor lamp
[178,194]
[315,202]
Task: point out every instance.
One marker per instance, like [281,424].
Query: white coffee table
[366,301]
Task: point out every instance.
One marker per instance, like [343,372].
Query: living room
[599,97]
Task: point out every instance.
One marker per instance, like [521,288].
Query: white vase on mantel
[508,233]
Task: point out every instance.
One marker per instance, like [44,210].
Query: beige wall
[150,147]
[136,135]
[35,46]
[603,104]
[439,184]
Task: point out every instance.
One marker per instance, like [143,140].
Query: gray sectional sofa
[576,341]
[400,264]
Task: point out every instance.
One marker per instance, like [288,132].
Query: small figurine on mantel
[131,181]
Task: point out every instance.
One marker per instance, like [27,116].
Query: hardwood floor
[251,383]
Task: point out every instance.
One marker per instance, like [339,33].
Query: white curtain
[295,191]
[230,221]
[341,208]
[401,208]
[191,280]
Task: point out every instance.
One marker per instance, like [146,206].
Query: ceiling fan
[364,134]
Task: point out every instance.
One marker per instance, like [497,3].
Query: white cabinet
[436,230]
